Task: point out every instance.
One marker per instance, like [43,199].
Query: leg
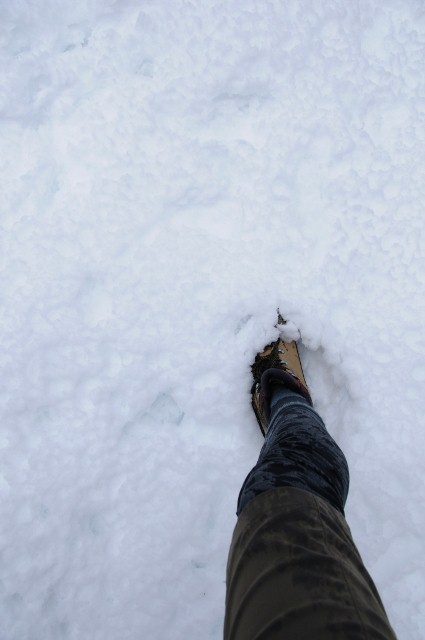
[294,572]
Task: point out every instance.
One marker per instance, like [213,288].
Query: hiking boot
[278,364]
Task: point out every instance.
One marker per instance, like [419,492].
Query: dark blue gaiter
[297,452]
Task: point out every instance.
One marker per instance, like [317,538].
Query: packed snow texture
[171,173]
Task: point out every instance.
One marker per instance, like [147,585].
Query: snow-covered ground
[171,173]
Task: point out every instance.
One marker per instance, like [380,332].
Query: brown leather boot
[278,364]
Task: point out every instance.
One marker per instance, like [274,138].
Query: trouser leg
[294,573]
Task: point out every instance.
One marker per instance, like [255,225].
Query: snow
[171,173]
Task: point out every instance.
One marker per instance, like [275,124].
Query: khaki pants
[294,573]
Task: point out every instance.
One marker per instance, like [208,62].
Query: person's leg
[294,571]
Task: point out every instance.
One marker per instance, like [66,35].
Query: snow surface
[171,173]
